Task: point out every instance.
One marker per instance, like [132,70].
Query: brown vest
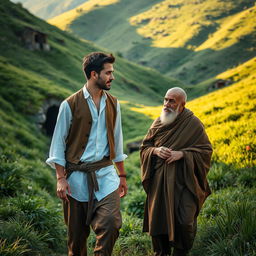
[81,125]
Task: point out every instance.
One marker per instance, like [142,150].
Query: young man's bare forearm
[59,171]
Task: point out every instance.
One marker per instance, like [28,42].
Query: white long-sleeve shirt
[97,147]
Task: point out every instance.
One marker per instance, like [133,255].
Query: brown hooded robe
[159,179]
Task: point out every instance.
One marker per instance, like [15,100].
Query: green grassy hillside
[62,64]
[190,40]
[30,215]
[48,8]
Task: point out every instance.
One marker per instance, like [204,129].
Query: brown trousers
[106,222]
[185,228]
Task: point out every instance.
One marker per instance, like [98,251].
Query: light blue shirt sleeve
[58,144]
[119,137]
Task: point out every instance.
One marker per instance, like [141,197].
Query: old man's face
[173,105]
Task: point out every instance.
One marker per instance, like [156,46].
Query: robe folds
[159,179]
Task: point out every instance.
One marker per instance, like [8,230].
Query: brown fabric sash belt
[89,169]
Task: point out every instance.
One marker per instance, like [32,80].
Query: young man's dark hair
[95,62]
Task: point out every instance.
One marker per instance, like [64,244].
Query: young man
[175,157]
[86,139]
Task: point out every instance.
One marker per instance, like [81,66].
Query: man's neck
[95,92]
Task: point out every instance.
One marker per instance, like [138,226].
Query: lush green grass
[231,230]
[30,222]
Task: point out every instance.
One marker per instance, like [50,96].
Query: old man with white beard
[175,159]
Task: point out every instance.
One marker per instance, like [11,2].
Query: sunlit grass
[152,112]
[64,20]
[173,23]
[244,70]
[232,29]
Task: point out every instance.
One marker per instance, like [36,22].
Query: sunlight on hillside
[229,116]
[232,29]
[152,112]
[185,23]
[64,20]
[240,72]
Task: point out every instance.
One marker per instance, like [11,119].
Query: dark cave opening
[51,118]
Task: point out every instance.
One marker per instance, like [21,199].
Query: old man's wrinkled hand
[162,152]
[175,156]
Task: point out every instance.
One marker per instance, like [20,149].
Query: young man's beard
[169,117]
[102,85]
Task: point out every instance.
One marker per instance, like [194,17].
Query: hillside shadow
[208,63]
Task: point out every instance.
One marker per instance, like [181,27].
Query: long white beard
[168,117]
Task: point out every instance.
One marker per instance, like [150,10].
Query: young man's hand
[62,188]
[123,188]
[62,184]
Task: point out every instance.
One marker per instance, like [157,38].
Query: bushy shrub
[132,240]
[134,203]
[43,218]
[227,224]
[11,177]
[222,176]
[247,177]
[132,166]
[213,205]
[39,174]
[14,229]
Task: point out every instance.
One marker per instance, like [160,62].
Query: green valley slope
[190,40]
[61,66]
[30,216]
